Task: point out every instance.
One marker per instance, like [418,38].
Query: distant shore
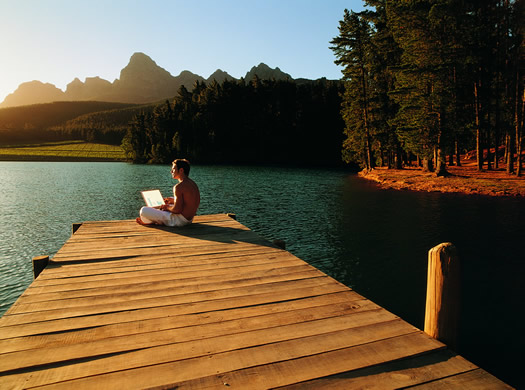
[65,151]
[465,179]
[57,159]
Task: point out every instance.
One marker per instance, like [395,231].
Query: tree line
[238,121]
[107,126]
[431,79]
[64,120]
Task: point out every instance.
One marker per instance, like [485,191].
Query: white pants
[151,215]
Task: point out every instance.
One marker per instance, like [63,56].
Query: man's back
[188,192]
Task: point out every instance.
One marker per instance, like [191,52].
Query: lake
[375,241]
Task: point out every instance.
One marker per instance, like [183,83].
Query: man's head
[182,163]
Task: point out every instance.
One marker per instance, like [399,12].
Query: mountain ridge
[141,81]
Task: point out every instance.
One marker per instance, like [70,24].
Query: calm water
[375,241]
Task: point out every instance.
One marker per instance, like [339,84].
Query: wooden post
[75,227]
[443,294]
[39,263]
[280,243]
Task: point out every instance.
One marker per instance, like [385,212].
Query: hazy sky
[55,41]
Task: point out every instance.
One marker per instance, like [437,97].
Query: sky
[56,41]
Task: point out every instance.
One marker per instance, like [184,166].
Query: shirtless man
[179,210]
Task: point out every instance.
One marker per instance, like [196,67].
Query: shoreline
[464,179]
[37,158]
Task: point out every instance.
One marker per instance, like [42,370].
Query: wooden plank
[194,229]
[68,324]
[308,309]
[263,328]
[152,277]
[348,301]
[391,375]
[75,268]
[98,255]
[278,289]
[286,362]
[137,273]
[473,380]
[184,360]
[196,284]
[156,262]
[216,234]
[158,291]
[286,372]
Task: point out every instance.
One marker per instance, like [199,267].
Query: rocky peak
[264,72]
[91,89]
[34,92]
[143,68]
[219,76]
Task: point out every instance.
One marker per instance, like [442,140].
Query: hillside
[30,123]
[39,116]
[107,126]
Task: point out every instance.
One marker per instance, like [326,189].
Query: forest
[428,80]
[88,120]
[238,121]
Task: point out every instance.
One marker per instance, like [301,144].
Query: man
[179,210]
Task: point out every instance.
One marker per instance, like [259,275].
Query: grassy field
[63,151]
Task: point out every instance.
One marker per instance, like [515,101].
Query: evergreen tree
[352,50]
[384,57]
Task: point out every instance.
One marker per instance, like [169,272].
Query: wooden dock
[211,305]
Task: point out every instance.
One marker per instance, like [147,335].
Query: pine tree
[384,56]
[352,50]
[426,30]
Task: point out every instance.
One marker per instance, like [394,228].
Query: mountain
[141,81]
[220,76]
[33,92]
[264,72]
[92,88]
[187,79]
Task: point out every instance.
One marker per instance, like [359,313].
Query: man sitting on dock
[179,210]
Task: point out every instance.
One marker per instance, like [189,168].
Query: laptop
[153,198]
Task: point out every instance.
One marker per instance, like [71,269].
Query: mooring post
[443,294]
[39,263]
[75,227]
[280,243]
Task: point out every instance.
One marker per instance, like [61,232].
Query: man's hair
[182,163]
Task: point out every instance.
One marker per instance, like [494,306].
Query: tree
[384,56]
[352,50]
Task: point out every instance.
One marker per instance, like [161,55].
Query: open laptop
[153,198]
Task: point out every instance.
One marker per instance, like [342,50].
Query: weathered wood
[397,374]
[280,312]
[443,294]
[39,263]
[75,227]
[280,243]
[206,306]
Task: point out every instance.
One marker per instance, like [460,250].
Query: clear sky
[55,41]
